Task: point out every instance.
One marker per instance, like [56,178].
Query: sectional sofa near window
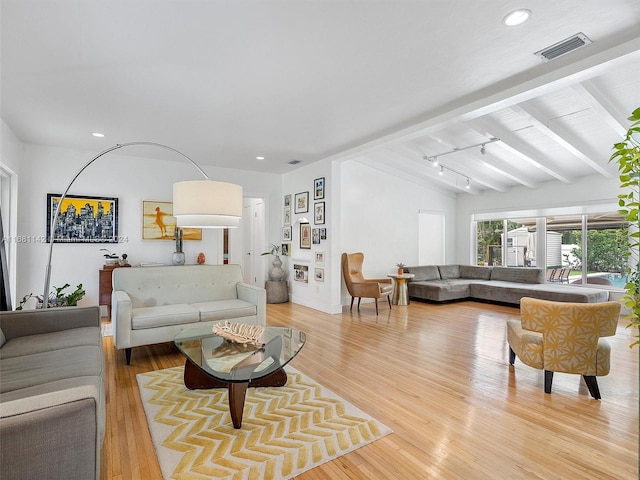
[441,283]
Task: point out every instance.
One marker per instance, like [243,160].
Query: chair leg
[352,299]
[592,385]
[548,379]
[389,300]
[512,356]
[127,355]
[359,298]
[376,300]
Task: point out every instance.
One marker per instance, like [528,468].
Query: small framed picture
[318,274]
[301,273]
[287,200]
[287,215]
[319,258]
[318,213]
[323,234]
[286,234]
[315,236]
[318,188]
[285,249]
[302,202]
[305,235]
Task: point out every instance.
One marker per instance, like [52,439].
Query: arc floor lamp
[196,203]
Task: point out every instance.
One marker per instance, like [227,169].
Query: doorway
[247,242]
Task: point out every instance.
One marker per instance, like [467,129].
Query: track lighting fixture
[483,148]
[433,162]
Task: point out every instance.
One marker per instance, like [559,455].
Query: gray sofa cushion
[518,274]
[52,341]
[449,271]
[422,273]
[40,368]
[475,272]
[507,292]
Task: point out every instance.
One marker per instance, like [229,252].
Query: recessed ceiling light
[516,17]
[259,158]
[97,134]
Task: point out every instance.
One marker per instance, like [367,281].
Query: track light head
[483,149]
[441,172]
[468,185]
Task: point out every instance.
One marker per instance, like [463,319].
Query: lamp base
[178,258]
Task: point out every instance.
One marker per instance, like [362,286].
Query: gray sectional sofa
[52,398]
[440,283]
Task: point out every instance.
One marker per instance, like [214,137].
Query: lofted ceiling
[386,83]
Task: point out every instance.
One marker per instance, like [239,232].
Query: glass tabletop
[235,362]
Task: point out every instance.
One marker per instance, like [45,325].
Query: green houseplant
[57,298]
[627,155]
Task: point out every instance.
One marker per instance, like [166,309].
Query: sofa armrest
[34,322]
[256,296]
[121,313]
[58,435]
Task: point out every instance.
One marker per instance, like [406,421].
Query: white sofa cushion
[225,310]
[150,317]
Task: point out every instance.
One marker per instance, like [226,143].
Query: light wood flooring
[439,376]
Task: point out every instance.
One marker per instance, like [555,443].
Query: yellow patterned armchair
[564,337]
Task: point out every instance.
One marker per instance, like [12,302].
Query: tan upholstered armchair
[564,337]
[358,286]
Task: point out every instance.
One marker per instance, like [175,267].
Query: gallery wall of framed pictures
[310,233]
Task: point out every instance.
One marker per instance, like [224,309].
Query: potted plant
[276,272]
[57,298]
[627,155]
[400,268]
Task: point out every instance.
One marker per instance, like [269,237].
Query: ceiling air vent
[294,162]
[565,46]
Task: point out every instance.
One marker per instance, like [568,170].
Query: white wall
[10,160]
[314,294]
[130,179]
[586,191]
[10,148]
[380,217]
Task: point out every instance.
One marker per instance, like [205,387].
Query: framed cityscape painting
[82,219]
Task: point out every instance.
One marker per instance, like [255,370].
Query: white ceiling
[381,82]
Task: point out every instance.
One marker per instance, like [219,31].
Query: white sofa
[153,304]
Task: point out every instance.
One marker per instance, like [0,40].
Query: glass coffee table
[213,362]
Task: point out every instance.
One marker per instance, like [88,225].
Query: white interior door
[247,242]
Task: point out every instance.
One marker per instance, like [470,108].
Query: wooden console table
[104,296]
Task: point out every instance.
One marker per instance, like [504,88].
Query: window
[584,248]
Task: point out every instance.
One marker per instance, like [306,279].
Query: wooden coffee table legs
[196,379]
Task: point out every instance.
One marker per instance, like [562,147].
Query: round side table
[400,290]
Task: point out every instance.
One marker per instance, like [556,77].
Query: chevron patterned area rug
[285,430]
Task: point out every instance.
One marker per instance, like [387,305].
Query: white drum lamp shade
[207,204]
